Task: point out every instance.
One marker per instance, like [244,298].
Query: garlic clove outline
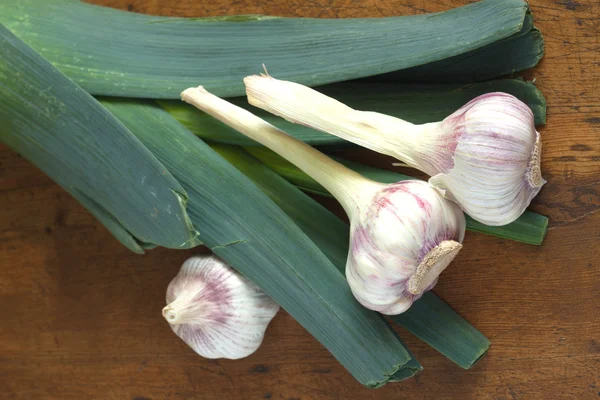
[215,310]
[485,156]
[402,236]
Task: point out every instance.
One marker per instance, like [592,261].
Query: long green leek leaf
[240,224]
[516,53]
[430,318]
[505,57]
[118,53]
[414,103]
[66,133]
[529,228]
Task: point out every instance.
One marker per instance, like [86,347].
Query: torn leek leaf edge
[529,228]
[430,318]
[417,103]
[245,228]
[67,134]
[117,53]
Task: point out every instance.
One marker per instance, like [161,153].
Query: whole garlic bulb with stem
[485,156]
[403,235]
[215,310]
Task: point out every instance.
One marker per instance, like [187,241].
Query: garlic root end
[534,172]
[432,265]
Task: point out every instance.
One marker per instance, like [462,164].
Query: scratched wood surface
[81,315]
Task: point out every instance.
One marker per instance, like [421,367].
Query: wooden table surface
[81,315]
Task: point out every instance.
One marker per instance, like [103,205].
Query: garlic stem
[170,315]
[344,184]
[302,105]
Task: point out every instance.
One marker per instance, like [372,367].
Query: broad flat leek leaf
[118,53]
[66,133]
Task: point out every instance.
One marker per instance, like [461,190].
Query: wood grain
[81,315]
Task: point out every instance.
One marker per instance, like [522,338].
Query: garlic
[400,242]
[485,156]
[216,311]
[403,235]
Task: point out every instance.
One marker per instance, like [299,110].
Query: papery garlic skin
[492,167]
[401,244]
[485,156]
[216,311]
[402,235]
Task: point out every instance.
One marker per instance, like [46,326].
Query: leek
[504,57]
[61,129]
[119,53]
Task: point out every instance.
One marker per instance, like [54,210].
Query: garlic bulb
[216,311]
[403,235]
[401,241]
[485,156]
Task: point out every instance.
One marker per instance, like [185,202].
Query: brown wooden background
[80,315]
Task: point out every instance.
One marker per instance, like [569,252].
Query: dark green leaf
[117,53]
[65,132]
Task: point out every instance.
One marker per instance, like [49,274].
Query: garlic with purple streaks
[401,241]
[485,156]
[403,235]
[216,311]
